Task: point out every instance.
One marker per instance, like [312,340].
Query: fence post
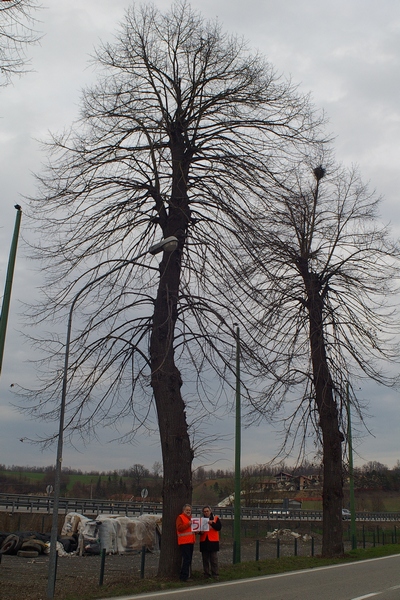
[295,546]
[102,566]
[278,548]
[142,562]
[257,549]
[312,546]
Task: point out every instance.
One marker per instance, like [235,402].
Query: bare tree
[157,469]
[326,275]
[184,129]
[16,33]
[138,472]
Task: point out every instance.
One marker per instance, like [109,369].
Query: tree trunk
[332,491]
[166,379]
[175,443]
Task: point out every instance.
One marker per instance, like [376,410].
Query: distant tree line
[118,484]
[212,485]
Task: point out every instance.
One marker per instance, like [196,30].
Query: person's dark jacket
[206,545]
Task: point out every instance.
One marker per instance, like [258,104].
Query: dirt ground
[26,578]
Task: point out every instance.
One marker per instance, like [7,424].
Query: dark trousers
[187,555]
[210,563]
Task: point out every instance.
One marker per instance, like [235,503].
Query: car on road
[346,514]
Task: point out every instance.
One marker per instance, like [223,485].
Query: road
[376,578]
[42,504]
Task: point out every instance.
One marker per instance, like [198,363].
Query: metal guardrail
[24,503]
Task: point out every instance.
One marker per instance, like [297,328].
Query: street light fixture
[168,244]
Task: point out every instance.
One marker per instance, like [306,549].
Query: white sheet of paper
[200,524]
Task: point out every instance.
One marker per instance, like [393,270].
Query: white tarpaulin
[73,523]
[117,535]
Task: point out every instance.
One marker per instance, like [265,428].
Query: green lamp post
[8,285]
[236,511]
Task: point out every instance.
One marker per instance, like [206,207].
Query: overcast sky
[345,53]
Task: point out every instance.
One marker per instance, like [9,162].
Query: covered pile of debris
[119,535]
[29,544]
[287,535]
[80,535]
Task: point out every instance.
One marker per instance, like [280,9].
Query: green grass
[25,475]
[243,570]
[392,504]
[85,479]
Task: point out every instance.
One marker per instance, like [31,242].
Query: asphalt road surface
[376,578]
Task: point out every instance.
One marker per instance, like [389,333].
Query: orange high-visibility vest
[184,530]
[212,535]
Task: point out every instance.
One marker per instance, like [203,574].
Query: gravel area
[26,578]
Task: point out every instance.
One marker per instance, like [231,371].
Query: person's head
[187,510]
[207,510]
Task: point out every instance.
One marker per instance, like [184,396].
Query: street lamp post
[236,513]
[168,245]
[353,531]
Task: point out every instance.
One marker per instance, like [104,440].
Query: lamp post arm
[8,285]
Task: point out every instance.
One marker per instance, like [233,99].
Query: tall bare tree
[184,129]
[16,33]
[326,274]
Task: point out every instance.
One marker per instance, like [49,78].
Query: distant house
[282,476]
[286,481]
[308,481]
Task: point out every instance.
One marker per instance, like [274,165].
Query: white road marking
[188,590]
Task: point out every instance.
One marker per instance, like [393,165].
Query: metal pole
[102,566]
[142,562]
[236,514]
[8,285]
[353,531]
[51,581]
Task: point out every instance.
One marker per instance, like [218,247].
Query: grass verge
[243,570]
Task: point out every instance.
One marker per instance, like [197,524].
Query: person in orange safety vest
[186,539]
[209,543]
